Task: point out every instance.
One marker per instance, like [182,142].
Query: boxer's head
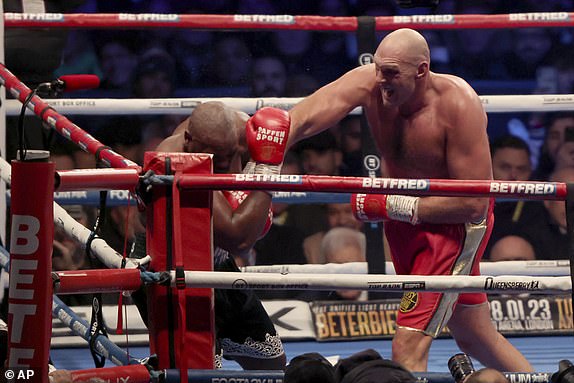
[211,129]
[401,61]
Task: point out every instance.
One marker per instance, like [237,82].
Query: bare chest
[413,147]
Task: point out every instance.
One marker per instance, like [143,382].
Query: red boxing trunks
[436,249]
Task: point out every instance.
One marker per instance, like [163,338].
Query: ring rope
[291,22]
[61,124]
[375,282]
[105,280]
[531,268]
[184,106]
[401,186]
[97,179]
[80,327]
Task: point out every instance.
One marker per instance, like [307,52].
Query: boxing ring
[192,180]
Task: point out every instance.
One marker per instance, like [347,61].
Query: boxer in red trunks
[426,125]
[431,249]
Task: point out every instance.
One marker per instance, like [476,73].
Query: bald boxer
[426,125]
[244,330]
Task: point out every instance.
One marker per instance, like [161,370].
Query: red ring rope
[442,187]
[312,23]
[96,280]
[60,123]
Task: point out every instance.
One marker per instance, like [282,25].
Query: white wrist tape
[267,169]
[249,168]
[403,208]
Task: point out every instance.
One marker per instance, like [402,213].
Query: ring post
[179,231]
[30,293]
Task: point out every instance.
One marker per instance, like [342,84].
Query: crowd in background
[177,62]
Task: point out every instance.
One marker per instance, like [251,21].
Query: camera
[460,367]
[565,373]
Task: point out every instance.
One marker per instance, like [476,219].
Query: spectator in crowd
[510,159]
[512,248]
[343,245]
[548,235]
[154,76]
[510,162]
[268,77]
[320,155]
[545,226]
[230,64]
[338,215]
[531,47]
[61,153]
[118,60]
[553,151]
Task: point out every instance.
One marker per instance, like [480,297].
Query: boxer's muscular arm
[237,231]
[331,103]
[468,157]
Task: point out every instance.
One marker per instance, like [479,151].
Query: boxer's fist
[236,198]
[380,207]
[266,134]
[369,207]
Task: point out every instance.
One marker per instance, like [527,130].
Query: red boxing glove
[266,134]
[236,198]
[380,207]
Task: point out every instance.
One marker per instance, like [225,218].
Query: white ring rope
[104,252]
[108,106]
[374,282]
[531,268]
